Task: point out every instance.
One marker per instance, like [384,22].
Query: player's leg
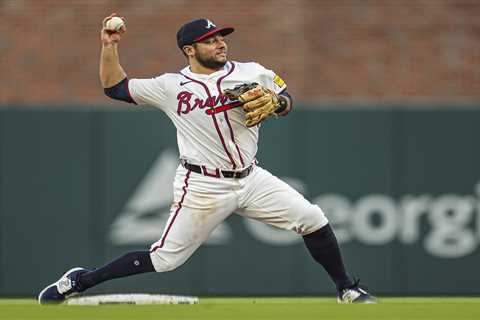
[276,203]
[78,279]
[272,201]
[186,229]
[200,204]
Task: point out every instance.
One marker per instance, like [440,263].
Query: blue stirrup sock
[323,247]
[131,263]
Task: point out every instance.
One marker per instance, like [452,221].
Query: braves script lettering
[186,105]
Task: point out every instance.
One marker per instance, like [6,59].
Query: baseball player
[217,106]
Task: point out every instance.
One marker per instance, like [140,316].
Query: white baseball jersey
[210,131]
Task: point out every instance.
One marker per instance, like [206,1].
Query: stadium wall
[401,187]
[336,50]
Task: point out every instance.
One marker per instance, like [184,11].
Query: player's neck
[196,67]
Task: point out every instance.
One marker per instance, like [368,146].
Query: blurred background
[384,137]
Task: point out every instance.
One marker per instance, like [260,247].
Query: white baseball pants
[201,203]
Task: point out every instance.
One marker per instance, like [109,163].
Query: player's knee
[312,219]
[165,263]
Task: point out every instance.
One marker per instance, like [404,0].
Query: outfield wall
[401,188]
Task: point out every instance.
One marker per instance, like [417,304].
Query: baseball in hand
[114,24]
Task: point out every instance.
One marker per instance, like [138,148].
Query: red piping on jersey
[162,242]
[233,137]
[219,81]
[215,120]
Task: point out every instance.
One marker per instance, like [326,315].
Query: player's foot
[355,294]
[65,287]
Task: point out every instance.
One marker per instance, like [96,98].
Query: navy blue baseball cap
[197,30]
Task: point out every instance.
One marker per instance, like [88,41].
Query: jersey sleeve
[148,91]
[271,80]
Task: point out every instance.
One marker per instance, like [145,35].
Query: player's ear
[188,51]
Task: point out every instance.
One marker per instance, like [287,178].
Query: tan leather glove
[258,102]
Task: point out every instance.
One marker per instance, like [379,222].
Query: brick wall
[326,50]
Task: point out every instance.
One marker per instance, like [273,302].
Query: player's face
[211,53]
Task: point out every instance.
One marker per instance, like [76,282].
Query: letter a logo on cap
[210,24]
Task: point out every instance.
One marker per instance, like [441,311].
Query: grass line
[253,308]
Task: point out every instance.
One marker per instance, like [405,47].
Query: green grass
[253,308]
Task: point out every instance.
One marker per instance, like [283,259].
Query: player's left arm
[285,103]
[272,81]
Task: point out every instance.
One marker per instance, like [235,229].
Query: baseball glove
[258,102]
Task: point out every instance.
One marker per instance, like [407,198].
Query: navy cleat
[355,294]
[67,286]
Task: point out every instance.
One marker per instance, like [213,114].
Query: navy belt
[216,173]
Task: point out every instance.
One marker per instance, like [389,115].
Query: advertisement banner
[400,187]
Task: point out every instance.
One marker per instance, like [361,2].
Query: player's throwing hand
[109,36]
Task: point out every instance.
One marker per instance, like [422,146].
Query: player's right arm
[114,79]
[111,72]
